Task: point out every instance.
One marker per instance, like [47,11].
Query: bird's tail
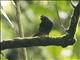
[35,35]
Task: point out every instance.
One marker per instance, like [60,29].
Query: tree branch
[74,20]
[29,42]
[64,41]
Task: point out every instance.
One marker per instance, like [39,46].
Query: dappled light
[30,16]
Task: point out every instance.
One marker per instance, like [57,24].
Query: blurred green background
[59,12]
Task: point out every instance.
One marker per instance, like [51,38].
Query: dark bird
[45,26]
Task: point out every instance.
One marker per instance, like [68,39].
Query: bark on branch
[45,41]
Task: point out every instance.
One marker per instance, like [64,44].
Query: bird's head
[44,18]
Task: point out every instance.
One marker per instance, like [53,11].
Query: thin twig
[59,20]
[20,28]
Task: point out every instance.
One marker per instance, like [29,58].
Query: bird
[45,26]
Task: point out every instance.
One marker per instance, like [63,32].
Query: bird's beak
[41,17]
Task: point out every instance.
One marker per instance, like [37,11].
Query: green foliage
[30,17]
[3,58]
